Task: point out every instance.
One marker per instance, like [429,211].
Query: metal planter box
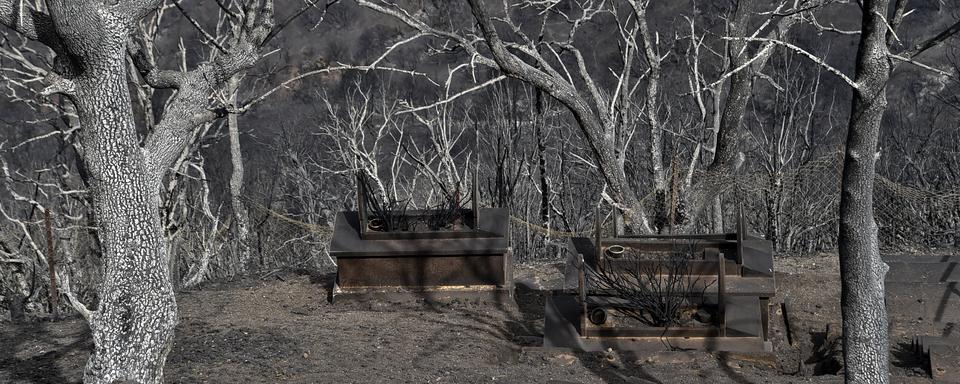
[736,271]
[474,263]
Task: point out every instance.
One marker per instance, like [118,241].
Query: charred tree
[743,69]
[862,271]
[865,339]
[133,325]
[236,177]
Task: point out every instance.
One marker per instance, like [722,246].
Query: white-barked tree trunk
[133,324]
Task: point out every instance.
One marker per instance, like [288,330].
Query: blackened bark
[236,177]
[545,192]
[865,339]
[741,82]
[15,302]
[652,102]
[132,327]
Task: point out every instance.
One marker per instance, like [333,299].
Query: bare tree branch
[932,42]
[804,53]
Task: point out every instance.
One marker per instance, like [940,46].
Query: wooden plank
[595,331]
[422,271]
[586,245]
[499,295]
[561,322]
[923,343]
[668,245]
[757,257]
[734,285]
[560,331]
[706,267]
[571,269]
[347,242]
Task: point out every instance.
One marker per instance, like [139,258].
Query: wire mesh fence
[795,208]
[280,240]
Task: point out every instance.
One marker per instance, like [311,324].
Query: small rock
[529,340]
[566,359]
[703,316]
[767,360]
[671,358]
[612,359]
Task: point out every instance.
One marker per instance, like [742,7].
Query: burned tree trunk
[865,344]
[652,102]
[133,326]
[545,193]
[134,323]
[54,292]
[236,178]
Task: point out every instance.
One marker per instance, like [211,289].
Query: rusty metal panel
[491,239]
[743,316]
[421,271]
[475,263]
[562,329]
[757,257]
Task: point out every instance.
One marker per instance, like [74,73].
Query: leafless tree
[862,271]
[133,324]
[548,54]
[782,141]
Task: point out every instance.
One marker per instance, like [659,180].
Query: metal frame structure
[472,230]
[735,273]
[474,262]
